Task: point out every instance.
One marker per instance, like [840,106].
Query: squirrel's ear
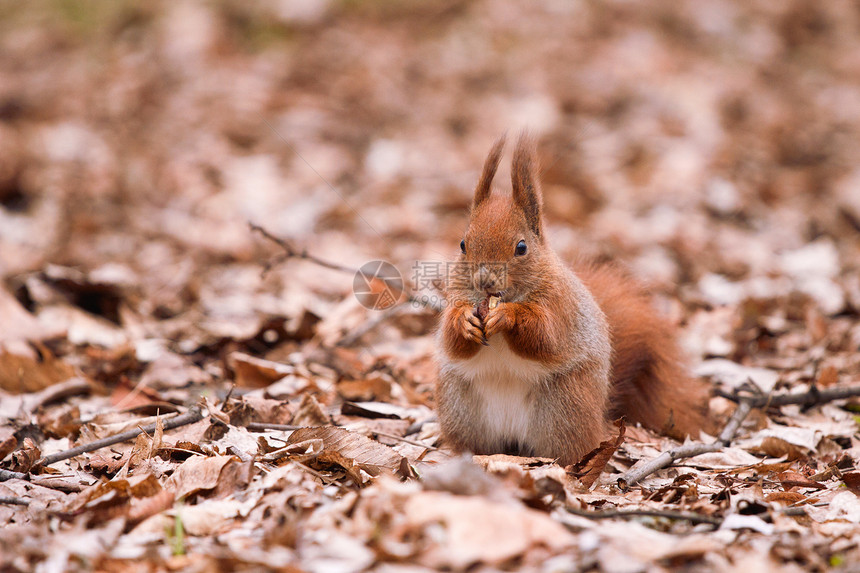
[526,188]
[482,191]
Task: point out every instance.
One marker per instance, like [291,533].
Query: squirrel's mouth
[498,294]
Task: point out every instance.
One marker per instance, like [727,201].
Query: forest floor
[713,147]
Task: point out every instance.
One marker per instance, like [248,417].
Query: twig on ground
[664,513]
[239,454]
[644,469]
[811,397]
[313,472]
[290,252]
[8,474]
[263,426]
[690,516]
[745,403]
[404,440]
[193,415]
[731,428]
[14,501]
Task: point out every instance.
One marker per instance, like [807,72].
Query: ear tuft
[526,188]
[491,164]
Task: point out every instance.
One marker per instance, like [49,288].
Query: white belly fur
[503,383]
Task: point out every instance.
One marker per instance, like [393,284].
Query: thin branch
[193,415]
[690,516]
[643,469]
[239,454]
[731,428]
[14,501]
[291,252]
[664,513]
[811,397]
[745,403]
[8,474]
[404,440]
[263,426]
[313,472]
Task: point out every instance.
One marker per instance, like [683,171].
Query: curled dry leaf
[64,423]
[198,473]
[8,441]
[369,455]
[24,457]
[368,389]
[309,413]
[790,479]
[589,468]
[778,448]
[246,409]
[299,451]
[852,481]
[111,499]
[145,485]
[20,374]
[785,497]
[252,372]
[366,410]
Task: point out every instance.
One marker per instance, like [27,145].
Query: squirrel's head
[504,245]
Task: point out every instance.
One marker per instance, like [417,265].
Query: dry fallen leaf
[198,473]
[366,390]
[252,372]
[24,457]
[829,376]
[589,468]
[778,448]
[309,413]
[19,325]
[790,479]
[20,374]
[369,455]
[8,441]
[786,497]
[852,481]
[477,530]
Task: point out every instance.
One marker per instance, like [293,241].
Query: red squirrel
[534,358]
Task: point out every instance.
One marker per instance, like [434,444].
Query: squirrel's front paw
[471,328]
[496,320]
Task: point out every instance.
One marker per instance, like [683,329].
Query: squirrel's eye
[463,247]
[521,249]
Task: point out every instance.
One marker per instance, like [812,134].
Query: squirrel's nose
[486,278]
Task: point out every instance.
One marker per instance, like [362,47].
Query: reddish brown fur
[554,324]
[650,383]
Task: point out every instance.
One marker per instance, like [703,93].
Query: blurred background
[711,145]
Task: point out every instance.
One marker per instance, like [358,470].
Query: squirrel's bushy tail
[650,383]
